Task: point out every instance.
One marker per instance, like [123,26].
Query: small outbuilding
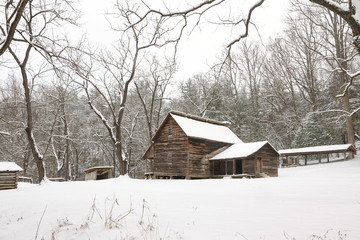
[99,173]
[9,175]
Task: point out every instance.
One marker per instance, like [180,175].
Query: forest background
[67,104]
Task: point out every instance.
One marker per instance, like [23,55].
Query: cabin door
[238,167]
[258,166]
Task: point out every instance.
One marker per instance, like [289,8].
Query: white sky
[200,49]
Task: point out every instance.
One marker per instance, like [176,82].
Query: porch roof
[317,150]
[240,150]
[98,168]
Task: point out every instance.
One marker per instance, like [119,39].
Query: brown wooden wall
[268,156]
[175,144]
[8,180]
[198,148]
[249,165]
[269,160]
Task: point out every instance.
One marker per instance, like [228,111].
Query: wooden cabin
[99,173]
[187,146]
[9,175]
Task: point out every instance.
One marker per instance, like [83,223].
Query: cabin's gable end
[269,160]
[170,150]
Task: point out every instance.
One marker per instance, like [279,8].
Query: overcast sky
[200,49]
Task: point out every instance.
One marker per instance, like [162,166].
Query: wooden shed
[291,156]
[185,146]
[99,173]
[9,175]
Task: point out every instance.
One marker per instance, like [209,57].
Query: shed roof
[318,149]
[98,168]
[9,166]
[240,150]
[202,128]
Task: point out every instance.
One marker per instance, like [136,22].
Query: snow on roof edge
[205,129]
[10,167]
[241,150]
[324,148]
[97,168]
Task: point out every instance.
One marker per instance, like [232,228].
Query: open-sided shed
[99,173]
[319,151]
[9,174]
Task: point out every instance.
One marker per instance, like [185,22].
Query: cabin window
[170,129]
[170,157]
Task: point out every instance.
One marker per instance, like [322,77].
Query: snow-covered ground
[302,203]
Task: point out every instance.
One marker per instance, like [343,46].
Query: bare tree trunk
[344,79]
[67,149]
[29,129]
[12,22]
[349,122]
[38,158]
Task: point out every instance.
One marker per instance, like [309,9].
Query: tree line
[66,105]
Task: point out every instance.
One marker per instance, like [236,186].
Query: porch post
[212,164]
[226,168]
[234,166]
[305,159]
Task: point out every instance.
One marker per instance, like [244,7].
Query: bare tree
[347,10]
[120,66]
[336,51]
[151,88]
[13,12]
[34,37]
[175,22]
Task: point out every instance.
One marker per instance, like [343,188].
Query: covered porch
[255,159]
[230,168]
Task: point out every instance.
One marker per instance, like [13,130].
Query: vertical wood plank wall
[174,142]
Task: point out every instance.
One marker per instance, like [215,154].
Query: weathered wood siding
[269,164]
[90,176]
[198,165]
[249,165]
[269,160]
[170,150]
[8,180]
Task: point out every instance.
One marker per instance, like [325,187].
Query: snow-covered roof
[205,130]
[101,168]
[240,150]
[318,149]
[9,166]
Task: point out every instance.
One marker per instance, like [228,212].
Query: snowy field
[310,202]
